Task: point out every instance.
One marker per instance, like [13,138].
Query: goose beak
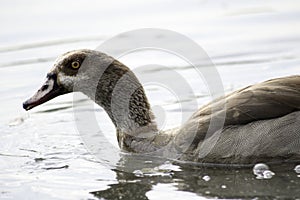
[49,90]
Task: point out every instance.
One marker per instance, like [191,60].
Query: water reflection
[223,182]
[128,187]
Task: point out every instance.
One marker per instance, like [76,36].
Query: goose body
[261,124]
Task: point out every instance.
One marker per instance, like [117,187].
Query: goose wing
[266,100]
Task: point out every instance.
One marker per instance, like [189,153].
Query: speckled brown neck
[123,98]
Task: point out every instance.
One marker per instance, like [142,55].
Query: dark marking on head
[66,64]
[52,75]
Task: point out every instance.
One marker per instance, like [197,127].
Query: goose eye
[75,65]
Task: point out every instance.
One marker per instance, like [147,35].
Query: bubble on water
[259,168]
[297,169]
[268,174]
[206,178]
[138,173]
[262,171]
[223,186]
[207,192]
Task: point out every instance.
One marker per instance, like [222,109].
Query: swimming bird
[261,124]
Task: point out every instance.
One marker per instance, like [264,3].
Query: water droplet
[17,121]
[206,178]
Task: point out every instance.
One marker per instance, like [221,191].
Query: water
[42,156]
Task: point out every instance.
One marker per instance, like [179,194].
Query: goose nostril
[44,87]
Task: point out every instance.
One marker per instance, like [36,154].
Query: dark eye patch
[67,63]
[74,59]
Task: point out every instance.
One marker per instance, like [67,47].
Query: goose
[262,121]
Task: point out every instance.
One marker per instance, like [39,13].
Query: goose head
[77,70]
